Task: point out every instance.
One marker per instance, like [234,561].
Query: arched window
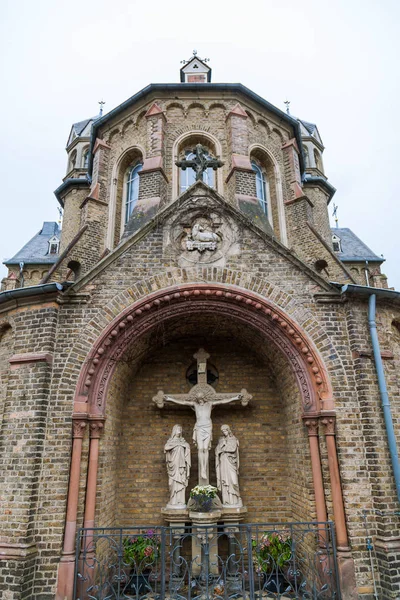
[306,156]
[261,187]
[132,189]
[318,160]
[86,158]
[72,161]
[188,176]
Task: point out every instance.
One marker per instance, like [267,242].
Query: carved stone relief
[201,233]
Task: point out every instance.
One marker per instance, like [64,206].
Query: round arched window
[261,191]
[132,189]
[188,176]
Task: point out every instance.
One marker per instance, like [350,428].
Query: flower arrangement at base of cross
[141,551]
[202,497]
[272,552]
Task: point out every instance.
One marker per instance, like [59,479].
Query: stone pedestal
[231,517]
[205,543]
[176,519]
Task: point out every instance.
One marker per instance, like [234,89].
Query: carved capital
[329,423]
[78,426]
[312,427]
[96,427]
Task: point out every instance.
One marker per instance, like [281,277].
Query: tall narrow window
[261,187]
[188,176]
[132,189]
[86,159]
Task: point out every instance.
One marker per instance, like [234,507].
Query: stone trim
[29,358]
[100,144]
[16,551]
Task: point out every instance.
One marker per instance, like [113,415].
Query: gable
[200,229]
[195,66]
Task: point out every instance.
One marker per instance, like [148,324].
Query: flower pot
[275,583]
[138,583]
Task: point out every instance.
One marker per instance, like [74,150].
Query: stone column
[329,422]
[96,427]
[346,569]
[320,506]
[65,582]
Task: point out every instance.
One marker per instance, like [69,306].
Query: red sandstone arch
[177,301]
[247,307]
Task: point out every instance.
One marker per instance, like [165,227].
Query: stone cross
[200,163]
[202,398]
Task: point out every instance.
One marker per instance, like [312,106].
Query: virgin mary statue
[227,467]
[177,456]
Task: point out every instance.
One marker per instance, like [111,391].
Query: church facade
[195,216]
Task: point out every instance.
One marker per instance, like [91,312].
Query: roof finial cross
[287,102]
[102,103]
[334,214]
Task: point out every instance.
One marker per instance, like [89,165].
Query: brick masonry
[36,398]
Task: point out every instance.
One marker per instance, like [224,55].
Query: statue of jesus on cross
[202,398]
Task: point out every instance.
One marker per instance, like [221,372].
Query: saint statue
[177,456]
[227,467]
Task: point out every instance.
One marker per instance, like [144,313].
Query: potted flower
[202,497]
[140,554]
[271,555]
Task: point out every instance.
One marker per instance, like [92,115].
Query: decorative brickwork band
[328,421]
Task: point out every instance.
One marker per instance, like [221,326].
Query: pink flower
[148,551]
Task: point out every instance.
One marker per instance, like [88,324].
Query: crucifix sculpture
[202,398]
[200,163]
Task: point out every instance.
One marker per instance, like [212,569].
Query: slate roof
[80,126]
[36,250]
[311,127]
[353,249]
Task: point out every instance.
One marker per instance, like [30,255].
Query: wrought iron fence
[252,561]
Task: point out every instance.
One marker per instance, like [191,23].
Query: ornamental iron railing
[230,561]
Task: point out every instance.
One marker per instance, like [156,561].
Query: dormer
[195,70]
[54,244]
[336,243]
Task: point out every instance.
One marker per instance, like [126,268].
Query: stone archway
[179,302]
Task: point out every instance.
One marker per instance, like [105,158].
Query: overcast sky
[335,60]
